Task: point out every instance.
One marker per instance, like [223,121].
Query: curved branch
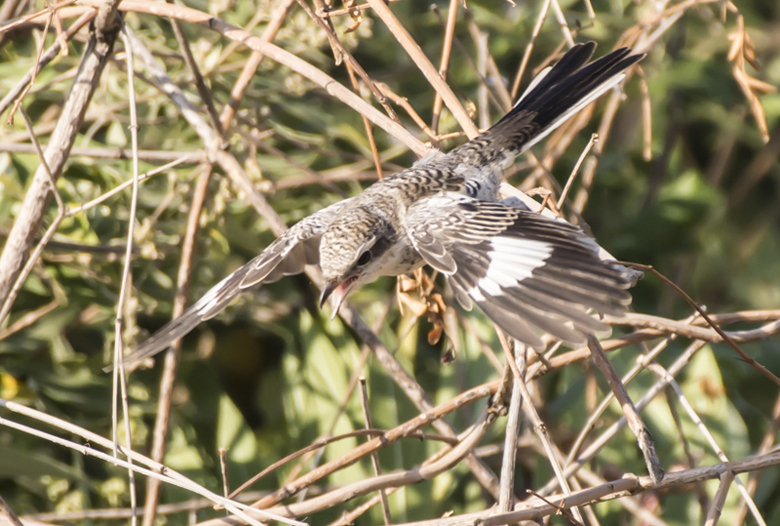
[277,54]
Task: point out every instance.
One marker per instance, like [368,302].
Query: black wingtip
[576,57]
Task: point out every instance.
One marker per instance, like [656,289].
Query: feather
[528,273]
[285,256]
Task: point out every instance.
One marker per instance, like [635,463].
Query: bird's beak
[338,290]
[327,290]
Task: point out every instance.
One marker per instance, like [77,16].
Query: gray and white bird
[528,273]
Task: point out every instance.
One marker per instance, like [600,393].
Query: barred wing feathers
[527,273]
[286,256]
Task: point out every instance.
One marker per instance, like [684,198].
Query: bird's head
[351,253]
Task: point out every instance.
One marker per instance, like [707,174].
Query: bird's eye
[364,258]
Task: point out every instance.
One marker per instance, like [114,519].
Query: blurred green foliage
[267,377]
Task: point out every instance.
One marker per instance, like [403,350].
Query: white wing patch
[512,260]
[527,252]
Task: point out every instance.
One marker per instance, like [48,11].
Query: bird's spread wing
[528,273]
[297,247]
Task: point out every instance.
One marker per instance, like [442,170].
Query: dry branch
[173,353]
[405,478]
[155,469]
[27,223]
[635,422]
[428,69]
[114,153]
[279,55]
[534,508]
[460,445]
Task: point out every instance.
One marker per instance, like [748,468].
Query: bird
[529,273]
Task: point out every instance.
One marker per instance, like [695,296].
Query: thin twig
[61,212]
[431,74]
[248,72]
[197,77]
[559,507]
[594,138]
[713,515]
[113,153]
[444,64]
[157,470]
[701,491]
[502,105]
[497,83]
[635,422]
[404,103]
[483,109]
[172,355]
[222,452]
[124,291]
[726,338]
[529,48]
[121,187]
[591,12]
[506,499]
[374,456]
[559,16]
[28,319]
[34,69]
[513,356]
[647,116]
[658,370]
[6,510]
[366,125]
[43,60]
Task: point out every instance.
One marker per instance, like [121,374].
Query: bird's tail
[554,96]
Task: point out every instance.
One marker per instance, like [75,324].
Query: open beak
[338,290]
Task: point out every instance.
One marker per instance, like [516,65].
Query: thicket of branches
[150,148]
